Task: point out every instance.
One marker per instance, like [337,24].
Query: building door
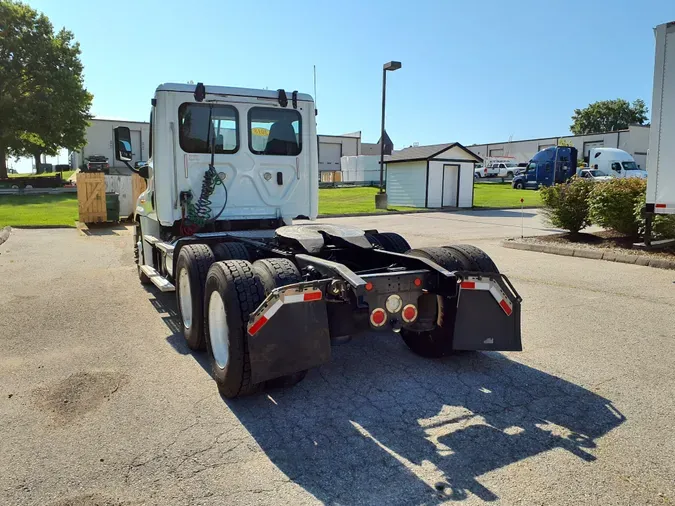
[329,156]
[450,195]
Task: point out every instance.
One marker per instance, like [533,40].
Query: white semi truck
[229,171]
[661,156]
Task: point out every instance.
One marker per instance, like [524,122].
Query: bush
[613,203]
[663,226]
[566,205]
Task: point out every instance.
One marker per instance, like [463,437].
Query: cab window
[274,131]
[616,167]
[202,125]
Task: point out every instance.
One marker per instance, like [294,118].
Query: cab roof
[227,90]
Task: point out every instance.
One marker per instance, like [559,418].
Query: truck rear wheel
[475,258]
[437,342]
[192,268]
[233,291]
[230,251]
[389,241]
[274,273]
[138,254]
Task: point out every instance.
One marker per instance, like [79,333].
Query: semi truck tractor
[226,222]
[553,165]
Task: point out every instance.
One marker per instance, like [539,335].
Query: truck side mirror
[122,144]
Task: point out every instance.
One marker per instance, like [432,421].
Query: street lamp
[381,198]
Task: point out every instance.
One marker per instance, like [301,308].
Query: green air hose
[199,213]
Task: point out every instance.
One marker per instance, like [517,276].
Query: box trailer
[661,158]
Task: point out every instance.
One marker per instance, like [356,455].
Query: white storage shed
[434,176]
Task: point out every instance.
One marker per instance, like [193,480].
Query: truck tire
[273,273]
[138,237]
[476,259]
[233,292]
[230,251]
[192,268]
[373,239]
[518,185]
[437,342]
[393,242]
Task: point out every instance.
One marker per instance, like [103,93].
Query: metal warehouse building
[440,175]
[634,140]
[100,140]
[333,147]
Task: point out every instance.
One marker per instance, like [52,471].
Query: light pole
[381,197]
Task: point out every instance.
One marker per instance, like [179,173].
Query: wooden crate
[91,197]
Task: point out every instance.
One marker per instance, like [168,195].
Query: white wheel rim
[185,297]
[219,333]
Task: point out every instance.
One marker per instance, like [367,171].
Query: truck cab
[550,166]
[264,150]
[615,162]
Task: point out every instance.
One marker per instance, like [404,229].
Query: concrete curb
[595,254]
[4,234]
[425,211]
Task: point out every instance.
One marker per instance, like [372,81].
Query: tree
[608,115]
[43,103]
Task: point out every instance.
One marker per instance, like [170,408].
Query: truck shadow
[379,425]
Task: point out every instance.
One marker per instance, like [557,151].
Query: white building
[100,141]
[333,147]
[634,140]
[434,176]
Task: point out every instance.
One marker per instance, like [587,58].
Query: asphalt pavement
[101,402]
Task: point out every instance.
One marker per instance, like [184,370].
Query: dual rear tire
[462,257]
[217,289]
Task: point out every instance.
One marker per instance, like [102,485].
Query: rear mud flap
[488,314]
[295,339]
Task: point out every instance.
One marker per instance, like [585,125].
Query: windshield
[630,166]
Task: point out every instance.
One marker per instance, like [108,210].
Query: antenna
[316,110]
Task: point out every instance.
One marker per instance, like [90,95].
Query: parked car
[504,169]
[594,174]
[98,163]
[480,172]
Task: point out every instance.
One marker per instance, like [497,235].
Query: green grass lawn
[502,195]
[61,210]
[38,210]
[351,200]
[66,174]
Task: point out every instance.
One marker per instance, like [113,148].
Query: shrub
[613,203]
[663,226]
[566,205]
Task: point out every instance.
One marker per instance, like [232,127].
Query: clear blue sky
[477,71]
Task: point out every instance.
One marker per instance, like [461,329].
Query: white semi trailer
[661,157]
[229,171]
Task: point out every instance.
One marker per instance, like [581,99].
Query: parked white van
[615,162]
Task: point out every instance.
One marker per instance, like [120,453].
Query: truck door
[617,171]
[531,176]
[544,174]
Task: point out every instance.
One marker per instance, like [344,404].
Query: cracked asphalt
[101,403]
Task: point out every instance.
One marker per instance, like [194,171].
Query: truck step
[150,239]
[160,282]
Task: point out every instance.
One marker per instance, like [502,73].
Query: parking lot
[102,403]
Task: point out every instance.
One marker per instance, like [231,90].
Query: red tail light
[378,317]
[409,313]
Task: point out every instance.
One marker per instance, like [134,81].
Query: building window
[198,134]
[274,131]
